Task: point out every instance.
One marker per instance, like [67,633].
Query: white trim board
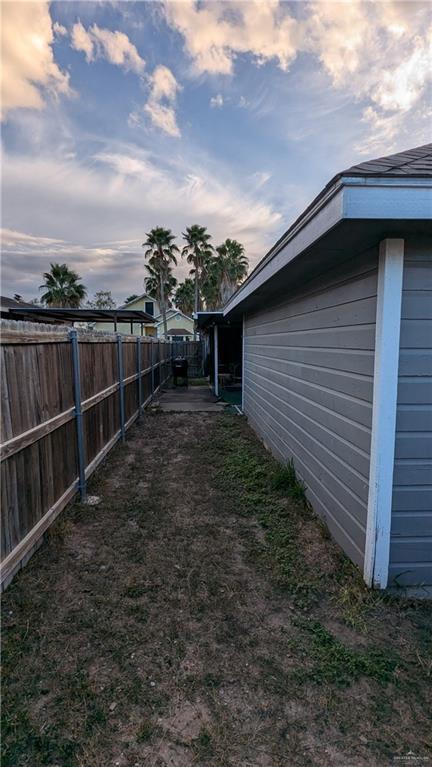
[349,198]
[243,364]
[387,335]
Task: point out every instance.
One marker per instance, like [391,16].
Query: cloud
[260,178]
[59,29]
[376,53]
[163,117]
[379,51]
[217,101]
[164,84]
[115,47]
[116,198]
[160,106]
[29,72]
[82,41]
[216,33]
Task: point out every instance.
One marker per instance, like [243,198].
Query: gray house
[337,361]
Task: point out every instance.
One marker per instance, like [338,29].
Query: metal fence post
[152,368]
[138,348]
[73,335]
[121,385]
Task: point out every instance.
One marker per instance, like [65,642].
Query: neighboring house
[7,303]
[180,326]
[144,303]
[176,320]
[337,361]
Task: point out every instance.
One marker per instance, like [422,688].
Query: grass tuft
[330,661]
[285,480]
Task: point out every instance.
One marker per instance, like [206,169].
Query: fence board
[38,450]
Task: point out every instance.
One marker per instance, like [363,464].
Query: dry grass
[200,615]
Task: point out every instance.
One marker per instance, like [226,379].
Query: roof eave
[349,197]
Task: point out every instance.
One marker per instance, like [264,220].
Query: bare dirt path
[200,616]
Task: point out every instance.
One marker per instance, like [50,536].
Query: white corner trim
[216,360]
[387,335]
[243,364]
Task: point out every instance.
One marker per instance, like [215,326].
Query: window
[149,307]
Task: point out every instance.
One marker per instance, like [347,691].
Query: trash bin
[180,370]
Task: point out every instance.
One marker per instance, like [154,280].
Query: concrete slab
[193,399]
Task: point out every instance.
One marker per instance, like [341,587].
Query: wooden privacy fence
[193,351]
[67,397]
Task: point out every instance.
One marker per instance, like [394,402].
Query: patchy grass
[201,615]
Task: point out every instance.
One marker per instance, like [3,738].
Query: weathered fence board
[40,456]
[193,351]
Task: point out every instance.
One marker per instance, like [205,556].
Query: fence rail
[67,397]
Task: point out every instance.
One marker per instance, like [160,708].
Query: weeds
[329,661]
[201,614]
[147,731]
[203,744]
[285,480]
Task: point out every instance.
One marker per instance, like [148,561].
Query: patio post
[216,359]
[152,368]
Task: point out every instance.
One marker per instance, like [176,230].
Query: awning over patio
[39,314]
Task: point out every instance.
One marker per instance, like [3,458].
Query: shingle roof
[413,162]
[12,303]
[179,332]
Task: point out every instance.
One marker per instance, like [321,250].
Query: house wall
[308,384]
[177,321]
[124,327]
[411,530]
[139,304]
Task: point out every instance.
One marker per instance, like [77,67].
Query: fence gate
[194,353]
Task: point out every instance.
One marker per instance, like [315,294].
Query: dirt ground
[200,615]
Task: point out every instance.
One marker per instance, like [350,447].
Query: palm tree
[152,285]
[184,296]
[62,287]
[211,283]
[233,267]
[198,251]
[160,252]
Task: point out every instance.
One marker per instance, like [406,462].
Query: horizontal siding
[308,382]
[411,531]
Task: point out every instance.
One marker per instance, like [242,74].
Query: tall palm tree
[198,251]
[185,296]
[62,287]
[211,283]
[160,252]
[233,267]
[152,285]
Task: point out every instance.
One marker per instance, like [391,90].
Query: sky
[121,116]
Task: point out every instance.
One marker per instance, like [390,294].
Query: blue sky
[121,116]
